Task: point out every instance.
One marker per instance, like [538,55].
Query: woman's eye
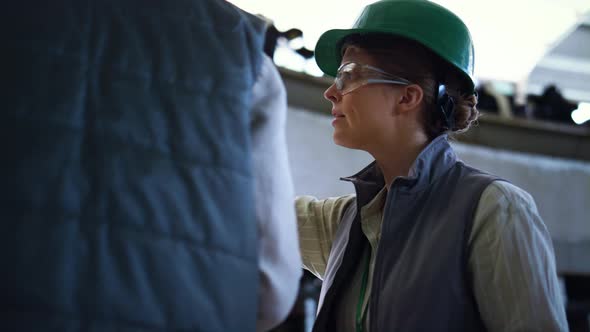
[346,75]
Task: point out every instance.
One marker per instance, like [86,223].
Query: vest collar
[434,160]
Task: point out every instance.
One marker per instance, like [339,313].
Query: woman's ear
[411,98]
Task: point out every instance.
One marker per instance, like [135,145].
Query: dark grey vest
[421,280]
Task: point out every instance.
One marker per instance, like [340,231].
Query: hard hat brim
[327,51]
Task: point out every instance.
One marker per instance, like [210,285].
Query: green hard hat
[423,21]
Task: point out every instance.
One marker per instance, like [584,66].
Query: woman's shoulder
[495,187]
[505,191]
[505,209]
[504,204]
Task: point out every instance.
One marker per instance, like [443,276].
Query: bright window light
[510,36]
[582,114]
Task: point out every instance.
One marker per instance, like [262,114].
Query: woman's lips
[337,116]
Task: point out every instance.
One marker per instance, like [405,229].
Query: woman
[426,243]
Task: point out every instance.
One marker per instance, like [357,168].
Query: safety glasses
[351,76]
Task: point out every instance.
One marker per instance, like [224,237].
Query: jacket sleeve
[317,222]
[279,258]
[513,264]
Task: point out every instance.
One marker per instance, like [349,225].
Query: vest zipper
[376,284]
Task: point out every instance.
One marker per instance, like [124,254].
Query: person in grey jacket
[426,243]
[145,182]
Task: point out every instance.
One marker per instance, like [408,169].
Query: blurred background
[532,70]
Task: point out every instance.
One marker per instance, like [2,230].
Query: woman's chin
[342,140]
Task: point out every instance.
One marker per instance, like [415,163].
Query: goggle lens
[351,76]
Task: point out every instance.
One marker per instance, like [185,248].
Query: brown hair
[416,63]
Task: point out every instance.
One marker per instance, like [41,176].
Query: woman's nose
[332,94]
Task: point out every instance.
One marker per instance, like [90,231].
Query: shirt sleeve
[279,258]
[513,264]
[317,222]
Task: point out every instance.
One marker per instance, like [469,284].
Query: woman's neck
[396,159]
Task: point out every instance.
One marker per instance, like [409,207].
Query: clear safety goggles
[351,76]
